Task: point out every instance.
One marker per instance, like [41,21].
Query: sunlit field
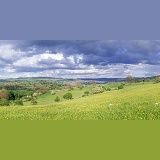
[134,102]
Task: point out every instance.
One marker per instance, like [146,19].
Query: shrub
[57,99]
[18,102]
[11,95]
[33,101]
[26,98]
[4,94]
[96,90]
[4,102]
[120,86]
[17,94]
[68,96]
[53,92]
[81,87]
[108,89]
[86,93]
[104,88]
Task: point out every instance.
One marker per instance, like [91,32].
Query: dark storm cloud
[41,55]
[105,52]
[97,52]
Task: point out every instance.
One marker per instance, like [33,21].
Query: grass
[77,93]
[134,102]
[49,99]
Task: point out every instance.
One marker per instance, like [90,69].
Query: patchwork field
[134,102]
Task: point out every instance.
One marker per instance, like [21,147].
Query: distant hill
[85,80]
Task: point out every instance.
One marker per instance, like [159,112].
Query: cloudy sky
[79,58]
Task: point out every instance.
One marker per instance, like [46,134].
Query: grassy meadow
[48,98]
[137,101]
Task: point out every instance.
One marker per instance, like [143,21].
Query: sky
[79,58]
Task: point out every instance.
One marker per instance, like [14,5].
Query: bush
[81,87]
[108,89]
[4,102]
[18,102]
[33,101]
[4,94]
[53,93]
[68,96]
[86,92]
[104,88]
[26,98]
[120,86]
[11,95]
[57,99]
[96,90]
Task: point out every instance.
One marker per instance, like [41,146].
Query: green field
[77,93]
[134,102]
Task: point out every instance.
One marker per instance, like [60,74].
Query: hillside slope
[137,101]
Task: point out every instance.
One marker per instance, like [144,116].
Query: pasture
[135,102]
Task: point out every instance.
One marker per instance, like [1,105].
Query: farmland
[137,101]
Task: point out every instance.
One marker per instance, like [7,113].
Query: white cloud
[71,59]
[9,70]
[80,58]
[33,61]
[57,56]
[8,53]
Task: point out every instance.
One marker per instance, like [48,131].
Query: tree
[104,88]
[69,87]
[93,83]
[120,86]
[4,94]
[68,96]
[4,102]
[33,101]
[11,95]
[86,93]
[143,80]
[57,99]
[18,102]
[108,89]
[79,85]
[129,79]
[158,78]
[97,90]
